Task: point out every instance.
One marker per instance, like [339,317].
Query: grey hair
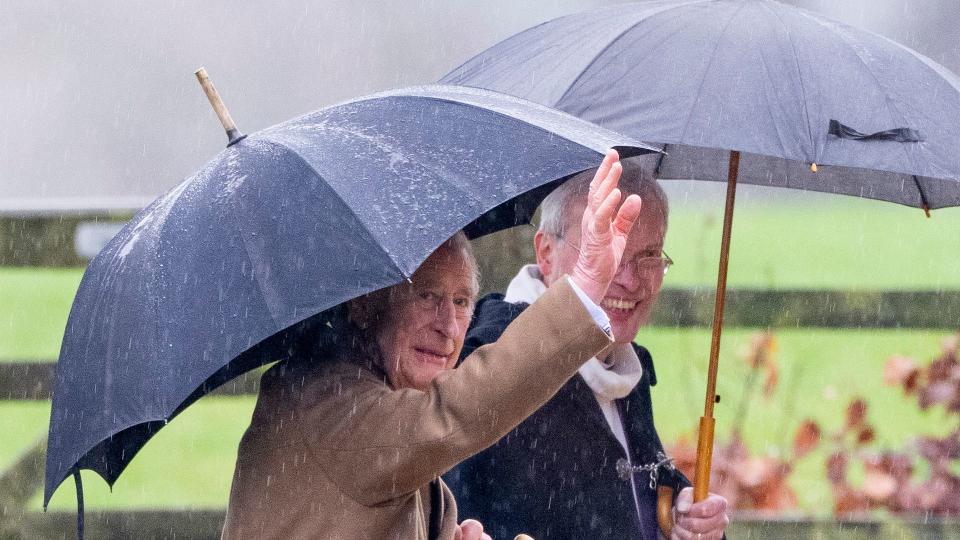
[367,311]
[460,242]
[639,177]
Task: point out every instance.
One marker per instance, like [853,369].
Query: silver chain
[625,469]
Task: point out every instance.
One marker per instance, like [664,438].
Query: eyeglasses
[650,264]
[432,300]
[645,263]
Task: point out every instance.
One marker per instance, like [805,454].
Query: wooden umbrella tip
[234,135]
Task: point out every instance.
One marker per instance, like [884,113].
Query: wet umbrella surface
[200,286]
[766,79]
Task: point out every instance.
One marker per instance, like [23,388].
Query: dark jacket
[555,475]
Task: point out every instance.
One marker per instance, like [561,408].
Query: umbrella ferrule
[234,135]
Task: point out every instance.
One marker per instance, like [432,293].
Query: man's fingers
[684,499]
[603,215]
[696,528]
[609,159]
[683,534]
[707,517]
[469,529]
[704,526]
[711,506]
[606,185]
[627,215]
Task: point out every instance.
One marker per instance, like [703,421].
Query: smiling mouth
[619,304]
[432,357]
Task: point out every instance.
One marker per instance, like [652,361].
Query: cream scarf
[609,380]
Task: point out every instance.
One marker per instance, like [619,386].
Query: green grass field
[190,462]
[826,242]
[34,304]
[835,243]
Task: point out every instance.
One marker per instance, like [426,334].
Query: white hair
[639,177]
[367,311]
[460,242]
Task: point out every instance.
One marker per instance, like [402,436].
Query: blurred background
[101,114]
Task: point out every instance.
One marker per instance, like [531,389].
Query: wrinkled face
[427,320]
[635,287]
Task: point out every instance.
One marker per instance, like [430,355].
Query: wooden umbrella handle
[665,510]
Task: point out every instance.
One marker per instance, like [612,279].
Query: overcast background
[99,108]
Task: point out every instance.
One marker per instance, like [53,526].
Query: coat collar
[614,381]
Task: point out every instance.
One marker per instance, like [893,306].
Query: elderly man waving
[352,446]
[584,465]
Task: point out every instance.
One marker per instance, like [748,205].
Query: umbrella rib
[531,124]
[508,117]
[610,43]
[310,166]
[436,173]
[923,196]
[769,110]
[803,89]
[703,80]
[886,95]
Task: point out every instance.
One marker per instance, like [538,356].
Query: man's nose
[445,321]
[628,277]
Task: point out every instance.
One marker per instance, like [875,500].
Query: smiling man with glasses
[583,465]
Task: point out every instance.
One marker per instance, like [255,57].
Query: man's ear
[543,247]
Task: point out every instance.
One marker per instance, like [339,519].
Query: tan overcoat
[333,452]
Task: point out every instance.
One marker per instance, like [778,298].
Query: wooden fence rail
[32,380]
[812,309]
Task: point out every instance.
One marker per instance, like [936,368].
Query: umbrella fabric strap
[79,483]
[898,134]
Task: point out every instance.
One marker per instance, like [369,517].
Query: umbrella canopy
[279,227]
[757,76]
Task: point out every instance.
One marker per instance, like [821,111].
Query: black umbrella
[282,225]
[752,88]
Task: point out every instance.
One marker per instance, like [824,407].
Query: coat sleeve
[379,444]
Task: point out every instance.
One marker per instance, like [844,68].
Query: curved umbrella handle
[665,509]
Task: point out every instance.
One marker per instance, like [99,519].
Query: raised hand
[604,229]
